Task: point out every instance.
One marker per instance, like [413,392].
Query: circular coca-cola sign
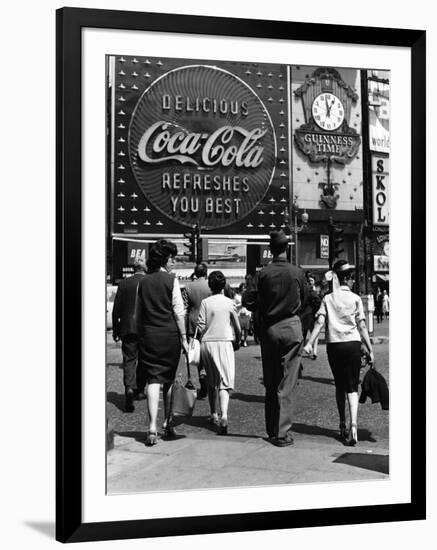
[202,146]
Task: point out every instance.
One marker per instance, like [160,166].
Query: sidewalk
[205,461]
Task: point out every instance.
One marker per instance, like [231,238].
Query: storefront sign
[381,189]
[381,263]
[202,146]
[136,252]
[265,255]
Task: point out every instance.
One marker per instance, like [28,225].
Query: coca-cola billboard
[202,146]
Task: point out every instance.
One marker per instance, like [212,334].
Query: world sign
[202,146]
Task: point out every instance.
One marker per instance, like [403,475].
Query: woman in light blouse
[343,315]
[220,332]
[161,332]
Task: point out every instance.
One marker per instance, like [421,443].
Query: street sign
[324,247]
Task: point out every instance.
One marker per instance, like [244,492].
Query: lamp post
[296,228]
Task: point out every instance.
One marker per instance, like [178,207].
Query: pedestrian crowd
[285,310]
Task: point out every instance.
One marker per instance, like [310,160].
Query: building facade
[240,149]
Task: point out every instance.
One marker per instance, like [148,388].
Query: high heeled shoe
[168,428]
[213,419]
[343,431]
[353,436]
[222,428]
[151,439]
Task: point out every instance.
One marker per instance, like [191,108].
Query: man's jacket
[123,312]
[375,387]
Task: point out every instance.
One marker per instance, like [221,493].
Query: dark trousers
[280,348]
[129,349]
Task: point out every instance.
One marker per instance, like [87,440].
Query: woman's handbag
[183,397]
[194,351]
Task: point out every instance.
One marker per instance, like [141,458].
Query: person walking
[161,330]
[385,304]
[243,314]
[277,293]
[343,314]
[378,305]
[308,315]
[195,292]
[124,328]
[220,332]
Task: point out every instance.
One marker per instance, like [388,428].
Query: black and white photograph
[247,274]
[218,266]
[240,245]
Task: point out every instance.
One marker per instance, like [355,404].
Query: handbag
[194,351]
[183,397]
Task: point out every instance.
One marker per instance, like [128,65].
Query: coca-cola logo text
[169,142]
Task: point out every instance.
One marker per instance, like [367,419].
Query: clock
[328,111]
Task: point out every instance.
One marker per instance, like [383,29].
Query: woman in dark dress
[161,331]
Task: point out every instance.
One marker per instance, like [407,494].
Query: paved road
[200,458]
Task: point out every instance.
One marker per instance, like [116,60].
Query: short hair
[139,265]
[216,281]
[201,270]
[159,254]
[278,242]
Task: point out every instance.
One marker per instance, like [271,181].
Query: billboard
[198,142]
[379,111]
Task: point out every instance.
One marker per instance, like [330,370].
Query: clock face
[328,111]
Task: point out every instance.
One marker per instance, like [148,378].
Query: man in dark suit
[124,327]
[194,293]
[277,294]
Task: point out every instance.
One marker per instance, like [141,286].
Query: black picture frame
[69,523]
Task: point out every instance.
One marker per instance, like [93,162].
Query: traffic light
[335,241]
[202,250]
[193,238]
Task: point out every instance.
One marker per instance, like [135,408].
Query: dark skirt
[244,322]
[159,351]
[308,321]
[345,362]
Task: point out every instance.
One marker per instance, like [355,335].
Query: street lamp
[296,228]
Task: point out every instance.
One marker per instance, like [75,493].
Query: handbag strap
[188,367]
[188,362]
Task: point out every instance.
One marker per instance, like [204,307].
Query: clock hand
[328,108]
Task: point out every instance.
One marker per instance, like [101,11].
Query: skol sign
[381,189]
